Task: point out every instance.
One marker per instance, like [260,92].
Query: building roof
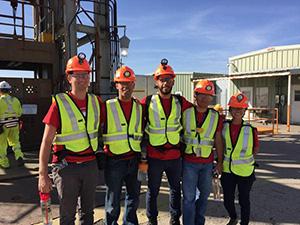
[264,50]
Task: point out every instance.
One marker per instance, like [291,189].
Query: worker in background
[202,131]
[10,113]
[220,109]
[122,136]
[162,113]
[241,144]
[72,124]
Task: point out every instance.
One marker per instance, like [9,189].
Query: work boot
[174,221]
[232,221]
[4,162]
[152,221]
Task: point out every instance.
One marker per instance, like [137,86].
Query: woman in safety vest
[241,145]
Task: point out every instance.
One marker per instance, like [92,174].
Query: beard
[165,90]
[127,94]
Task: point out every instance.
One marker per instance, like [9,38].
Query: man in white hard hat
[10,112]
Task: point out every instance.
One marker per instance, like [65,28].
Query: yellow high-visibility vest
[160,128]
[120,136]
[239,160]
[10,110]
[78,132]
[199,140]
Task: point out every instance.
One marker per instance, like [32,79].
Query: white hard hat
[4,85]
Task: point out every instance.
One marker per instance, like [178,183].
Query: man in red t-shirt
[202,131]
[122,136]
[72,124]
[163,127]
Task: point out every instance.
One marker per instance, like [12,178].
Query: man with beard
[122,137]
[162,114]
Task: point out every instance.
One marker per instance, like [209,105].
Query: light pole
[123,42]
[124,45]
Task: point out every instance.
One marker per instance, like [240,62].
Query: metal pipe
[23,23]
[10,25]
[276,120]
[289,103]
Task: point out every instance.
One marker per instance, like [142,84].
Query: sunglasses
[165,79]
[80,75]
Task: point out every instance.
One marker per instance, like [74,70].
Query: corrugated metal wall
[183,85]
[270,59]
[144,86]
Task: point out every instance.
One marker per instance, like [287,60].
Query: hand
[45,184]
[143,166]
[219,167]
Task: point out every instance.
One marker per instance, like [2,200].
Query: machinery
[56,31]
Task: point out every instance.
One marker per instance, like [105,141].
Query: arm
[256,143]
[44,184]
[219,150]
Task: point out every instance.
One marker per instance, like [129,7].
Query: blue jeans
[116,173]
[172,169]
[196,186]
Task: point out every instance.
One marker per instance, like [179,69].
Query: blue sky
[200,35]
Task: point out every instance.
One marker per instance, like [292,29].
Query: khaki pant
[10,136]
[72,182]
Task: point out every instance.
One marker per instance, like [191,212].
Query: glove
[101,160]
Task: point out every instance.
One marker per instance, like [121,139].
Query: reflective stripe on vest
[9,107]
[121,136]
[201,143]
[160,128]
[78,132]
[239,160]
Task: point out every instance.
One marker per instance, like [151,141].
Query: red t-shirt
[192,157]
[234,132]
[170,151]
[53,118]
[126,108]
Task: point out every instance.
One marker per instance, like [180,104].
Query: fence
[264,119]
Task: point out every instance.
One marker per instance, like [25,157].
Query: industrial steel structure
[40,35]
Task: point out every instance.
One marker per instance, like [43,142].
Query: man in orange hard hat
[163,127]
[202,128]
[122,136]
[72,125]
[241,142]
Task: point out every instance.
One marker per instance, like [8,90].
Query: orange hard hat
[239,100]
[205,87]
[78,63]
[164,69]
[124,74]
